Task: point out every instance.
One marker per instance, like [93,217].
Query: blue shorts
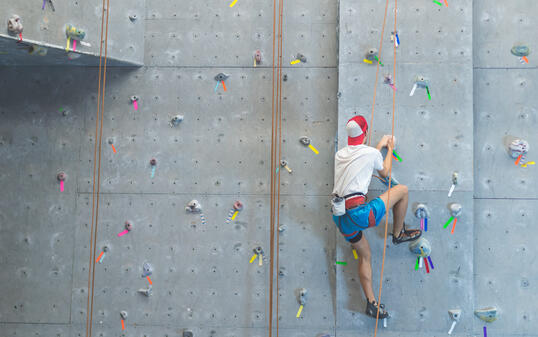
[359,218]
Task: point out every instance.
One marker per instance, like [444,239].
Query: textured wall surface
[202,279]
[506,195]
[47,27]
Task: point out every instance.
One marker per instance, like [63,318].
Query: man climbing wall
[353,168]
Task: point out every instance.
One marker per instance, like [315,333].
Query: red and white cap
[356,129]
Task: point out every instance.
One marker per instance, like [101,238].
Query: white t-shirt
[353,168]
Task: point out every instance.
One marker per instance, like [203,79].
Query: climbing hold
[221,77]
[128,226]
[305,140]
[134,99]
[518,147]
[284,164]
[421,211]
[301,57]
[455,210]
[133,17]
[153,161]
[147,269]
[106,249]
[146,291]
[238,206]
[454,183]
[257,57]
[14,25]
[123,314]
[282,272]
[187,333]
[74,33]
[258,250]
[420,247]
[282,228]
[176,120]
[520,50]
[388,80]
[302,296]
[422,82]
[371,55]
[194,206]
[37,50]
[285,78]
[61,176]
[455,315]
[488,314]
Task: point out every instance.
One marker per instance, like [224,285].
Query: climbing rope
[97,166]
[276,156]
[388,154]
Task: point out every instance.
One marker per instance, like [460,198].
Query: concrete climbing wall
[506,204]
[202,279]
[434,139]
[220,153]
[45,26]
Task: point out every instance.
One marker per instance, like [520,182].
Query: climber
[353,168]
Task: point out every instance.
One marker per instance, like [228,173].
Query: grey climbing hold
[133,17]
[258,250]
[421,211]
[420,247]
[128,226]
[422,82]
[153,161]
[282,228]
[488,314]
[518,147]
[301,57]
[61,176]
[305,140]
[193,206]
[302,292]
[455,209]
[520,50]
[146,291]
[110,141]
[14,24]
[371,54]
[176,120]
[221,77]
[147,269]
[282,272]
[106,249]
[123,314]
[187,333]
[285,78]
[134,98]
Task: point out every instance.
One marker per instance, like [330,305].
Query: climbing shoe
[371,310]
[406,235]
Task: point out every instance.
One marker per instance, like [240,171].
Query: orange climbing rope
[97,166]
[388,154]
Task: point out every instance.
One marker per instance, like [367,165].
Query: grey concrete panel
[201,271]
[505,107]
[498,28]
[428,33]
[228,130]
[444,144]
[416,301]
[36,219]
[505,264]
[125,37]
[211,33]
[46,330]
